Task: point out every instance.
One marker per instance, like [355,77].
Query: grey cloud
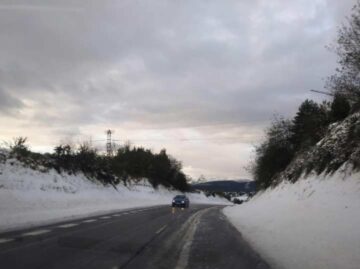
[8,104]
[164,64]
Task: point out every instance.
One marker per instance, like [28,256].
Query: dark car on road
[180,201]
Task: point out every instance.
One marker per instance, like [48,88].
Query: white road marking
[161,229]
[105,217]
[89,220]
[69,225]
[38,232]
[5,240]
[116,215]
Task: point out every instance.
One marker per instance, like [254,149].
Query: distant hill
[226,186]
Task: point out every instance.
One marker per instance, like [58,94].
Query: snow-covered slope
[29,197]
[339,146]
[313,223]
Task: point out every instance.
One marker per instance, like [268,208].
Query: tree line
[128,164]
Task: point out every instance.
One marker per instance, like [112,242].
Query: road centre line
[69,225]
[37,232]
[89,220]
[5,240]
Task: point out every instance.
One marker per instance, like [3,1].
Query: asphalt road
[157,237]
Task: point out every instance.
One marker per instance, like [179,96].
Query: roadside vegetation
[322,136]
[129,164]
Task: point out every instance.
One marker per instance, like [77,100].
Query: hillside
[245,186]
[309,218]
[31,197]
[306,214]
[339,146]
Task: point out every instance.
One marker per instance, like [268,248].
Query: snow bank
[29,197]
[314,223]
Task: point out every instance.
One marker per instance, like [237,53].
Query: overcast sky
[200,78]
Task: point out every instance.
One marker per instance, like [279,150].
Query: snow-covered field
[29,197]
[314,223]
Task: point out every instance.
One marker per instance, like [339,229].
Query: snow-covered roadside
[29,197]
[314,223]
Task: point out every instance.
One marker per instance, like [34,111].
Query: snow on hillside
[313,223]
[29,197]
[340,145]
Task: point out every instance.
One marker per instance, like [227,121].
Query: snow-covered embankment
[314,223]
[29,197]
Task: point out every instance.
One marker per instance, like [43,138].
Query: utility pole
[109,145]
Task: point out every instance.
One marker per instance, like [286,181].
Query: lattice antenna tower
[109,143]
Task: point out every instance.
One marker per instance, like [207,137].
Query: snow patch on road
[313,223]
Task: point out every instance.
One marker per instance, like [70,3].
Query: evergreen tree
[340,108]
[274,154]
[309,125]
